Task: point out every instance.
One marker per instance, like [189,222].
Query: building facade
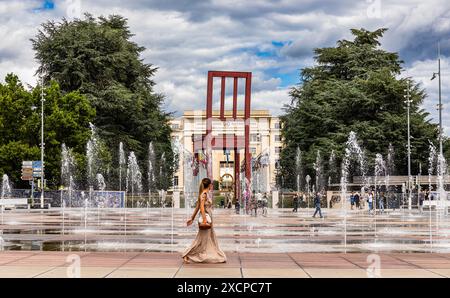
[265,141]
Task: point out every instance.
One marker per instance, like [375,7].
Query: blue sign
[37,164]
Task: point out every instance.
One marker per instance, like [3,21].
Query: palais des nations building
[265,139]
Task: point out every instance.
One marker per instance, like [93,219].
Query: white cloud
[185,39]
[422,72]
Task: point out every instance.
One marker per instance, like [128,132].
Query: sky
[274,39]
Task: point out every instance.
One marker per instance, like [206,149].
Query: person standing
[356,199]
[352,200]
[370,201]
[421,199]
[317,205]
[237,207]
[381,202]
[265,203]
[295,203]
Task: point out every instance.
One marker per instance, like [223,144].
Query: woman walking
[205,248]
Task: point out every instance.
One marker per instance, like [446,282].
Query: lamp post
[42,142]
[408,105]
[439,107]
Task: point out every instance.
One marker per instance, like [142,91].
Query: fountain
[92,151]
[150,171]
[352,151]
[308,180]
[6,187]
[390,171]
[298,168]
[101,185]
[332,168]
[431,162]
[442,194]
[122,163]
[134,176]
[162,177]
[318,167]
[380,170]
[6,192]
[67,169]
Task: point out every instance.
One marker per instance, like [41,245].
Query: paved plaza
[247,265]
[149,242]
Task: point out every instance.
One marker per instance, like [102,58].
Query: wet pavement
[163,230]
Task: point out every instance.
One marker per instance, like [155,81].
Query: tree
[354,86]
[66,121]
[96,57]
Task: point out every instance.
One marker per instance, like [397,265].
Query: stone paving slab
[144,273]
[443,272]
[186,272]
[85,272]
[336,273]
[409,273]
[22,272]
[274,273]
[248,265]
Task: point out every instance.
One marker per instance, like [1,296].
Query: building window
[252,150]
[175,181]
[277,125]
[175,126]
[224,164]
[277,138]
[277,150]
[254,137]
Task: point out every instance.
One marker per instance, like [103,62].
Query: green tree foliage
[67,118]
[354,86]
[97,57]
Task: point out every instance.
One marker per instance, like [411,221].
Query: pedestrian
[370,201]
[295,203]
[352,200]
[421,199]
[317,205]
[356,198]
[237,206]
[381,203]
[265,204]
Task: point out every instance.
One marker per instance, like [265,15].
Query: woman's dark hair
[206,182]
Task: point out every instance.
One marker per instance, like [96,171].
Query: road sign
[37,164]
[37,168]
[27,170]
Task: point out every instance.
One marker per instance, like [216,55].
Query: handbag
[204,226]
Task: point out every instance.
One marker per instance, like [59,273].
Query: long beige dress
[205,248]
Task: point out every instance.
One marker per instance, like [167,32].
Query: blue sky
[274,39]
[45,5]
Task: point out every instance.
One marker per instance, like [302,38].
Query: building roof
[228,113]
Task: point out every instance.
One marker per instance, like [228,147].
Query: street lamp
[439,107]
[42,142]
[408,105]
